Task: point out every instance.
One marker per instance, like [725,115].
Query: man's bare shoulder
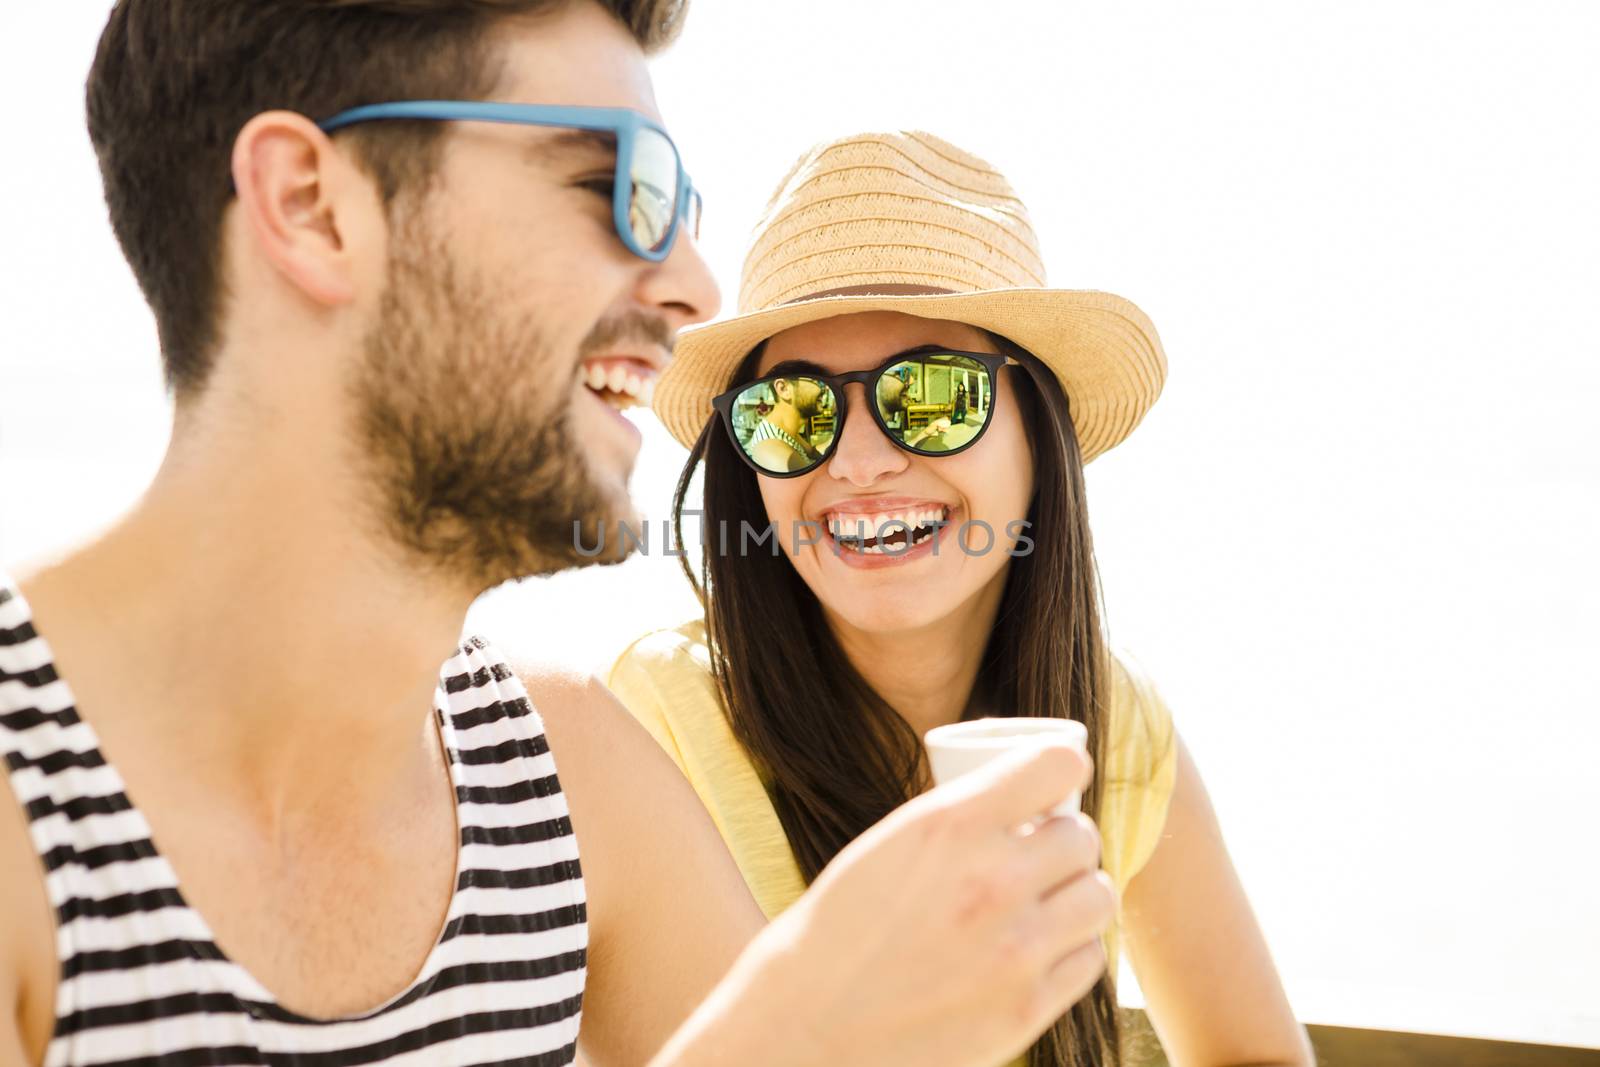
[654,864]
[581,716]
[623,790]
[610,767]
[27,938]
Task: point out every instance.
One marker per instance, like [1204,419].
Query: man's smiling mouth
[621,382]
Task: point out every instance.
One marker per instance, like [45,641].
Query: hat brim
[1101,346]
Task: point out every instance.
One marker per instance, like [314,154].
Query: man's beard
[464,416]
[804,406]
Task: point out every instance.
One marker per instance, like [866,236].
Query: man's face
[507,291]
[803,393]
[892,394]
[808,397]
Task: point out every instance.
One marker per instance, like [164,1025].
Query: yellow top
[664,679]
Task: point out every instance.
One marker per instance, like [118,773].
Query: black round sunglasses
[929,401]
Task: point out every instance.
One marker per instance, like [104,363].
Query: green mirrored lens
[935,402]
[785,424]
[653,176]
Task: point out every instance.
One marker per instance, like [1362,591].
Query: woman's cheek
[783,498]
[996,490]
[772,498]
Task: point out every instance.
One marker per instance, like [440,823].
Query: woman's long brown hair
[835,758]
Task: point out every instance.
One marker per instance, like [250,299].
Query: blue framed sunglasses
[652,197]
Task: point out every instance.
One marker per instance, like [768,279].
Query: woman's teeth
[866,533]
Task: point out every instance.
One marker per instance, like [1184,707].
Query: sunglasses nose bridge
[862,452]
[862,381]
[846,385]
[856,393]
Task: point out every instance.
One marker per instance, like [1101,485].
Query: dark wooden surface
[1339,1046]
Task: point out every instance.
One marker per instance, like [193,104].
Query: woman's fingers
[1077,913]
[1070,980]
[1018,787]
[1059,849]
[1071,917]
[1072,921]
[1082,909]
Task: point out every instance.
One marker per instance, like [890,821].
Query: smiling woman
[952,576]
[876,487]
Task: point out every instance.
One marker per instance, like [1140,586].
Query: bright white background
[1354,541]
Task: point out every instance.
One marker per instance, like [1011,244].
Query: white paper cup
[961,747]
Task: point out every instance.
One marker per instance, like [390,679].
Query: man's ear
[302,203]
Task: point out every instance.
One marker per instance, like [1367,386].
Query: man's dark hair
[174,81]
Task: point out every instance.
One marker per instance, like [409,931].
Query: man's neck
[786,417]
[251,606]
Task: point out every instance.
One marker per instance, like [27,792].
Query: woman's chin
[869,616]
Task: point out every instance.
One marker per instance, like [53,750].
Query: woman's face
[866,478]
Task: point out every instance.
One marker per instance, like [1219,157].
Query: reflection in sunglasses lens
[935,403]
[654,189]
[785,425]
[697,208]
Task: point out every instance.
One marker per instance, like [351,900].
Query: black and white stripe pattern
[142,979]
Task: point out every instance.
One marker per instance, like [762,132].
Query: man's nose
[681,287]
[863,453]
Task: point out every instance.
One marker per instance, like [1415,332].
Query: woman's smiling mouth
[883,532]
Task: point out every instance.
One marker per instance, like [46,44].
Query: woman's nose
[863,453]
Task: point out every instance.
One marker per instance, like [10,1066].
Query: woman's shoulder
[664,677]
[670,646]
[1140,762]
[1140,735]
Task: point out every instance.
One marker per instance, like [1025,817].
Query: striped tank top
[765,430]
[142,981]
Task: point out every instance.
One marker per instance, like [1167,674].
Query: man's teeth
[855,529]
[620,381]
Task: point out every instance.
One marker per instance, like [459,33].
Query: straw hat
[859,221]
